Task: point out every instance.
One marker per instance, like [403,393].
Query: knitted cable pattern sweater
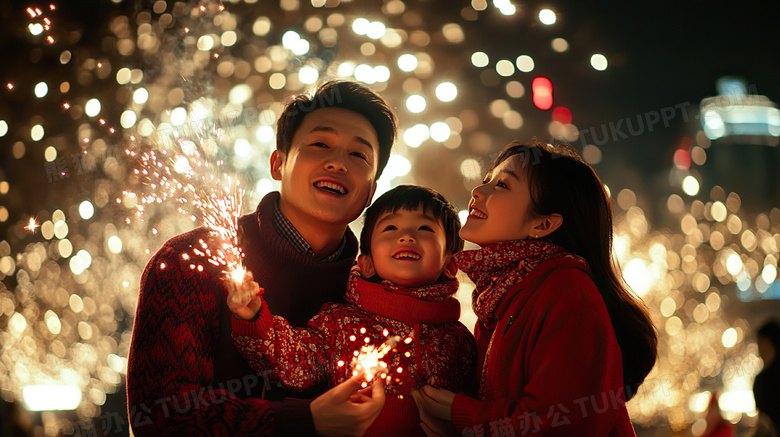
[185,376]
[442,352]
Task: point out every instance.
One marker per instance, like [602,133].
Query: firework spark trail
[39,23]
[179,177]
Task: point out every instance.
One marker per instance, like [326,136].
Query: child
[562,344]
[403,285]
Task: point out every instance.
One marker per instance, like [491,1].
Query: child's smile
[409,248]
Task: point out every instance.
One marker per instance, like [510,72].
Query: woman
[562,343]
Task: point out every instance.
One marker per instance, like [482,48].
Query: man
[185,376]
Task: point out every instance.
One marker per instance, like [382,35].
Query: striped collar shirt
[291,235]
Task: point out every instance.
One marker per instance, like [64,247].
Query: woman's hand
[244,298]
[435,407]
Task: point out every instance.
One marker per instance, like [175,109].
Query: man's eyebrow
[329,129]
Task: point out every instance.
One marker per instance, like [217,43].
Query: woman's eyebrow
[511,173]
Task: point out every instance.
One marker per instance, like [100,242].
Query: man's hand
[435,407]
[244,298]
[335,413]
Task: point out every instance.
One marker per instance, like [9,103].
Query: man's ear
[451,268]
[277,160]
[371,195]
[547,225]
[366,265]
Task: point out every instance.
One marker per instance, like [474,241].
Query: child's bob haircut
[410,197]
[353,96]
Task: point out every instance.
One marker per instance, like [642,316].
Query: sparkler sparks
[370,358]
[182,177]
[32,225]
[40,23]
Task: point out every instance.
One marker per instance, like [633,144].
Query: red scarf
[496,267]
[428,304]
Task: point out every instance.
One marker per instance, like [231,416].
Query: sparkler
[370,358]
[180,176]
[32,225]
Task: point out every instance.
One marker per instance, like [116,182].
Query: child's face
[409,248]
[498,208]
[328,174]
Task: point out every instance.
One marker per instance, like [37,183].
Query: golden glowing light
[369,358]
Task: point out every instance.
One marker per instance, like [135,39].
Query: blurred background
[673,104]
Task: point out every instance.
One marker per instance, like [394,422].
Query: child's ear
[366,265]
[451,268]
[547,226]
[277,159]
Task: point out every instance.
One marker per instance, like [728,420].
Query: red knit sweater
[185,376]
[549,360]
[442,353]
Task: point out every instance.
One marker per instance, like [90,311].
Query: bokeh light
[416,103]
[525,63]
[547,16]
[598,62]
[446,91]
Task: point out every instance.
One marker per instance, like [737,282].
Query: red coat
[551,363]
[442,353]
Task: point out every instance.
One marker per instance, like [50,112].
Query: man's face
[328,175]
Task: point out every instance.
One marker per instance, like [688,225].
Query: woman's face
[498,210]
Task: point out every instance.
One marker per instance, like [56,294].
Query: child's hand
[244,298]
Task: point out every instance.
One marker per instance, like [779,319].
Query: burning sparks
[370,358]
[41,23]
[189,180]
[32,225]
[238,275]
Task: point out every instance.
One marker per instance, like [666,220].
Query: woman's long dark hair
[561,182]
